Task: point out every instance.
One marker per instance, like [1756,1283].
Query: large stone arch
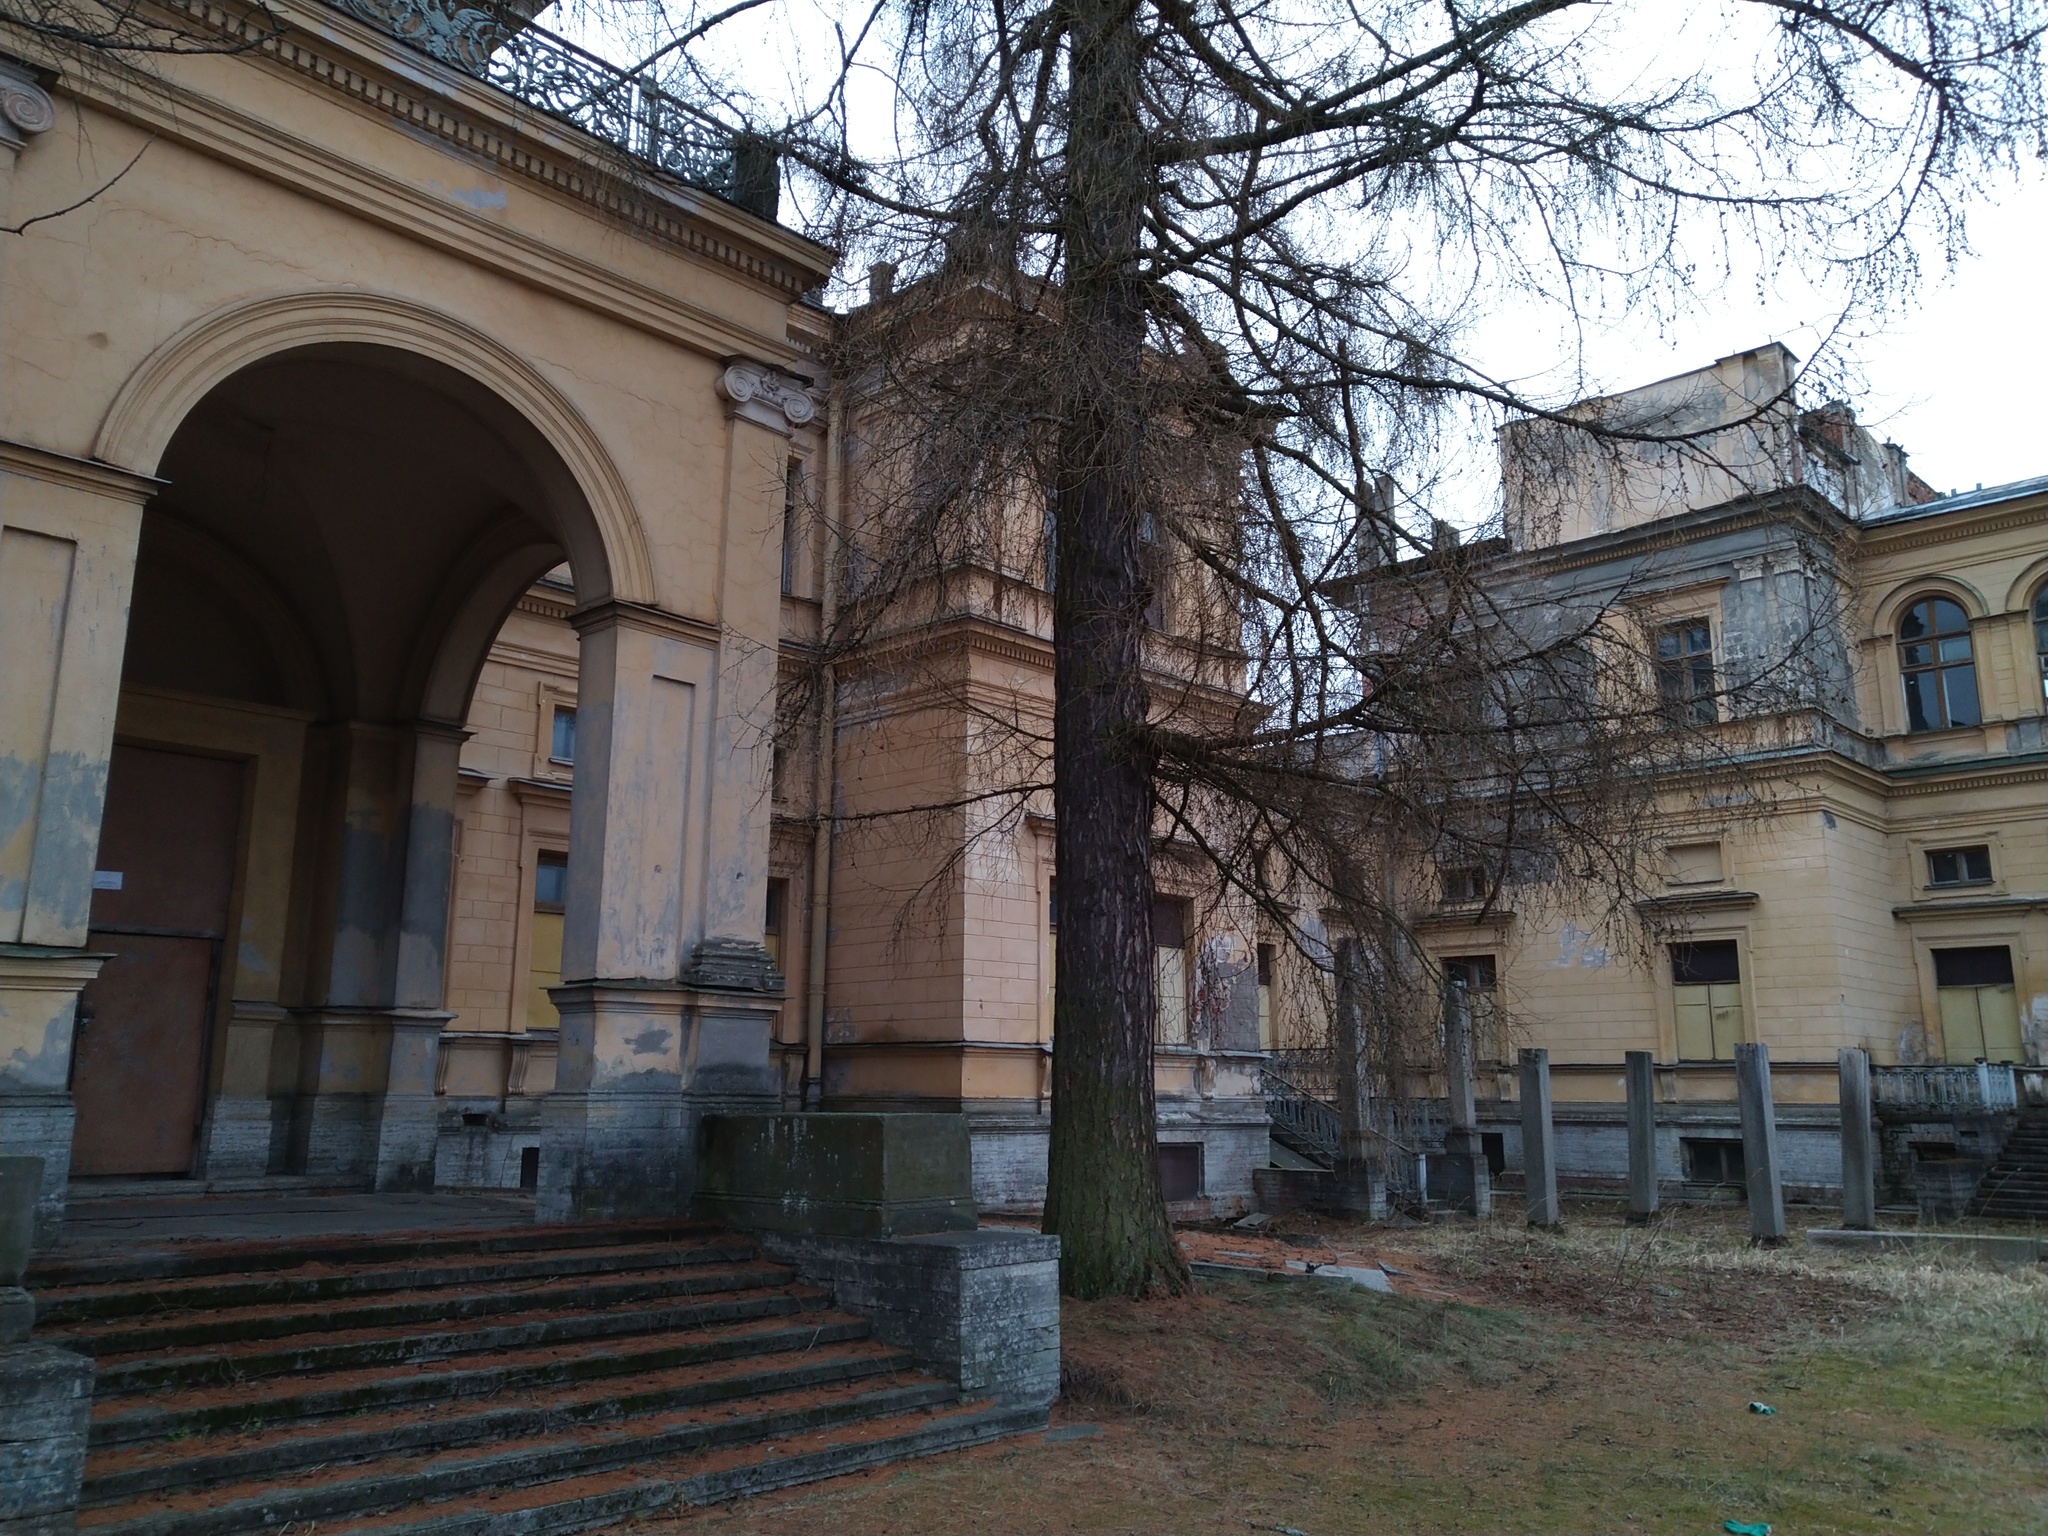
[594,512]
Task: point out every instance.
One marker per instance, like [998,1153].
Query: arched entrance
[343,527]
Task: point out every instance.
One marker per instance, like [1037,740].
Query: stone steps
[2015,1186]
[536,1379]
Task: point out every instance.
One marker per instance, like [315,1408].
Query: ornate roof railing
[553,75]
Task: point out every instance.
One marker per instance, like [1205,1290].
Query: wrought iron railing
[1310,1123]
[1982,1088]
[550,73]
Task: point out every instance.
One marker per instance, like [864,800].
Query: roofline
[1961,502]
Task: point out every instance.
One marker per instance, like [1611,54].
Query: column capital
[25,107]
[659,621]
[766,395]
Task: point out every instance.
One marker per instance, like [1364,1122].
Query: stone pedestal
[979,1307]
[1460,1177]
[1539,1141]
[844,1175]
[1760,1144]
[1642,1135]
[1859,1141]
[45,1408]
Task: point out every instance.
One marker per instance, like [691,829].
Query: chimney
[881,281]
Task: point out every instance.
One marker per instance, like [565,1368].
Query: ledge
[1699,901]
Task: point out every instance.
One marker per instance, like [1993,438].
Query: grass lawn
[1589,1382]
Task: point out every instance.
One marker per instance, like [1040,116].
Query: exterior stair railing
[1312,1126]
[1982,1088]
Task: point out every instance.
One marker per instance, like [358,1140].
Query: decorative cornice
[329,48]
[1965,908]
[25,107]
[642,616]
[77,474]
[1698,901]
[763,394]
[1934,531]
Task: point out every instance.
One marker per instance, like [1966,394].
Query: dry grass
[1591,1381]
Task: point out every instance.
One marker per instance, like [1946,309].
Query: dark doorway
[160,907]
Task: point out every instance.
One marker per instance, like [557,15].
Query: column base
[1460,1177]
[641,1063]
[39,987]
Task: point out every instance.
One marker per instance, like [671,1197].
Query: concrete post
[1642,1136]
[1539,1146]
[1760,1144]
[1859,1149]
[1468,1183]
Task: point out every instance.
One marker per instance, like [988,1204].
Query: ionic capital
[766,396]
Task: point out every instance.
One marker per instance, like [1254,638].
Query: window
[1936,662]
[1474,977]
[1959,866]
[562,735]
[771,922]
[1152,562]
[1685,672]
[1170,970]
[1712,1162]
[1052,542]
[1463,885]
[1706,1000]
[792,487]
[2041,638]
[544,939]
[1980,1018]
[1268,1041]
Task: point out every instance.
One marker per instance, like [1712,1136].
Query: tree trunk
[1102,1179]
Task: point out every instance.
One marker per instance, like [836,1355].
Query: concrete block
[1760,1143]
[981,1308]
[45,1409]
[1640,1071]
[1859,1145]
[1539,1141]
[846,1175]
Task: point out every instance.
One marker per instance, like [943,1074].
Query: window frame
[1732,992]
[1936,665]
[2038,615]
[1962,881]
[1680,693]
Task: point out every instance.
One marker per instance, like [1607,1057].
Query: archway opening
[344,530]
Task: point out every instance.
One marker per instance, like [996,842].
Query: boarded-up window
[1170,970]
[1980,1017]
[544,948]
[1694,863]
[1706,999]
[1474,978]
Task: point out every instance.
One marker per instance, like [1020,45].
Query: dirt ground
[1594,1381]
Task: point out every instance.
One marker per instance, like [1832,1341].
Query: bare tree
[1259,226]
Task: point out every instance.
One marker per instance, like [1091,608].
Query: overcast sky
[1956,378]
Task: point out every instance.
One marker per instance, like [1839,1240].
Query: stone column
[407,1129]
[68,531]
[1358,1187]
[1467,1182]
[1859,1144]
[1759,1143]
[644,1046]
[345,1033]
[1539,1146]
[1642,1135]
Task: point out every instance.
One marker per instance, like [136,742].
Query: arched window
[2041,638]
[1940,672]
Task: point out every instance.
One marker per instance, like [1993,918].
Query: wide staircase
[504,1382]
[2015,1187]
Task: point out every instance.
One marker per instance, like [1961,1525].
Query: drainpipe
[821,791]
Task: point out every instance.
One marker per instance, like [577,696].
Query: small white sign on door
[106,879]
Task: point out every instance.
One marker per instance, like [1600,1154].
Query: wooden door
[160,906]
